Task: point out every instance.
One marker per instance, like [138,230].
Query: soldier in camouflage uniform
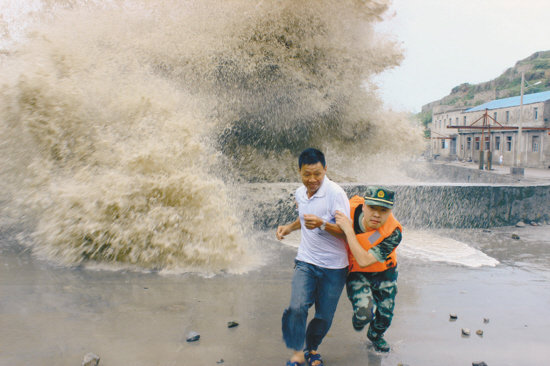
[373,234]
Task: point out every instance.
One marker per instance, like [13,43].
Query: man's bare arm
[284,230]
[312,222]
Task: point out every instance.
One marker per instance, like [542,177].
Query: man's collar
[322,191]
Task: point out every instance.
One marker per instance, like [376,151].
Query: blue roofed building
[456,133]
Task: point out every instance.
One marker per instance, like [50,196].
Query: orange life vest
[371,239]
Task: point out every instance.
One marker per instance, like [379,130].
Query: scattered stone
[466,331]
[515,236]
[220,361]
[486,231]
[402,364]
[520,224]
[479,332]
[479,363]
[486,320]
[453,316]
[193,336]
[90,360]
[463,292]
[232,324]
[534,223]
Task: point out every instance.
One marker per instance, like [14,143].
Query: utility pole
[517,169]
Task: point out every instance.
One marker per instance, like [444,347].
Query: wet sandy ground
[54,316]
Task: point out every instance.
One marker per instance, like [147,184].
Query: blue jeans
[312,284]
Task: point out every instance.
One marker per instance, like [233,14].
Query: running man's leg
[330,286]
[294,319]
[384,297]
[359,290]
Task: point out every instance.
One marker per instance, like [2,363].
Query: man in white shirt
[322,260]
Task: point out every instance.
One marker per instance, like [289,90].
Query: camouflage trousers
[373,298]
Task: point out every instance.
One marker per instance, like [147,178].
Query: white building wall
[535,144]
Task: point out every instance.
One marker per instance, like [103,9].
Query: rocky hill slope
[536,68]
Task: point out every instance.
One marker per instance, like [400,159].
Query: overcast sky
[448,43]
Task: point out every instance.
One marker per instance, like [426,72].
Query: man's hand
[343,221]
[312,221]
[282,231]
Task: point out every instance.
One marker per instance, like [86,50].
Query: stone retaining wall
[427,205]
[448,173]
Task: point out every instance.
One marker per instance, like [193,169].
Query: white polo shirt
[317,246]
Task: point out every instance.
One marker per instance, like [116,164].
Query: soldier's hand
[343,221]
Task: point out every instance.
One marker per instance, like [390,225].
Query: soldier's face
[375,216]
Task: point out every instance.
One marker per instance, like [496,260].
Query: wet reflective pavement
[54,316]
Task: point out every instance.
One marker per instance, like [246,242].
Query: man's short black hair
[311,156]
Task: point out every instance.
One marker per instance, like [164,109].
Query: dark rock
[220,361]
[453,316]
[486,231]
[520,224]
[479,363]
[466,331]
[193,336]
[534,223]
[90,360]
[232,324]
[515,236]
[486,320]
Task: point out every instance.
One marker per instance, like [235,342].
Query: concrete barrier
[428,205]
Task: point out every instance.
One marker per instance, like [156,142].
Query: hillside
[536,68]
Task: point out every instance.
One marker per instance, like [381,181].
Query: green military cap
[379,196]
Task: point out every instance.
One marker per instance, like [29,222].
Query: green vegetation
[425,118]
[452,101]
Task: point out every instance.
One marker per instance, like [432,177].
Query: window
[443,144]
[536,113]
[477,143]
[486,143]
[507,116]
[536,142]
[508,143]
[464,120]
[457,121]
[497,143]
[495,116]
[468,142]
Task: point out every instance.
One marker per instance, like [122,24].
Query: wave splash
[125,124]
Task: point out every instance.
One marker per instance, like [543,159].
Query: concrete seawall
[432,173]
[458,205]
